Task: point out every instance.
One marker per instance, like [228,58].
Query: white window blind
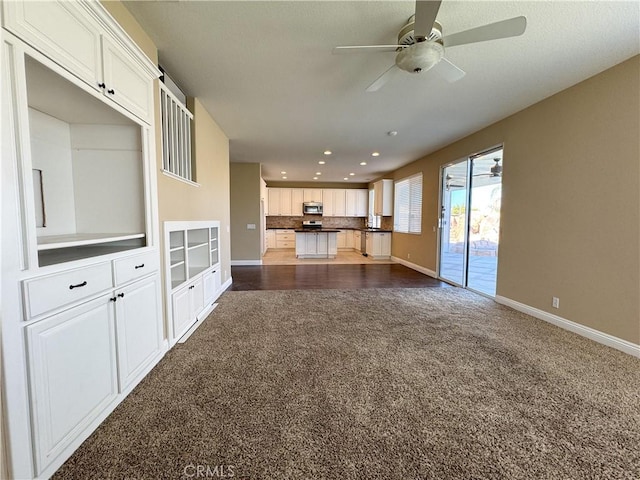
[176,135]
[407,216]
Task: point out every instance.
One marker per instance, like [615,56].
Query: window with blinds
[176,135]
[407,216]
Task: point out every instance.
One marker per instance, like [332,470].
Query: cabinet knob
[113,299]
[102,85]
[111,91]
[121,295]
[71,287]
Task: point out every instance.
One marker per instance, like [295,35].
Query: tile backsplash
[327,222]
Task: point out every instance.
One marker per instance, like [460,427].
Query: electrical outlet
[555,303]
[408,255]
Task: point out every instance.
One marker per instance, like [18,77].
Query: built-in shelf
[175,249]
[81,239]
[177,264]
[193,271]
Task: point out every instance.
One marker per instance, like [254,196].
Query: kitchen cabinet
[378,245]
[312,195]
[316,245]
[297,199]
[334,202]
[70,35]
[383,198]
[357,238]
[285,202]
[271,238]
[356,202]
[194,281]
[285,238]
[345,240]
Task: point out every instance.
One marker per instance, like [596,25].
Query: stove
[312,224]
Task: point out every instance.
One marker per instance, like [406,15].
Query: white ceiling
[265,72]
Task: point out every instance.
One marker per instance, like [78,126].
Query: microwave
[312,208]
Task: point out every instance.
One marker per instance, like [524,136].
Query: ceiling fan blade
[384,78]
[366,48]
[449,71]
[426,12]
[493,31]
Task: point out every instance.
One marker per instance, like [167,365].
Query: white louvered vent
[176,135]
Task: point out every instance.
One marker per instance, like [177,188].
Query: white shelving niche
[192,258]
[88,195]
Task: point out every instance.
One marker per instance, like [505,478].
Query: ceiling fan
[494,171]
[421,44]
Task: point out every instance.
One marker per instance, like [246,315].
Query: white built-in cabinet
[316,245]
[337,202]
[378,245]
[356,202]
[194,281]
[74,37]
[334,202]
[383,198]
[81,290]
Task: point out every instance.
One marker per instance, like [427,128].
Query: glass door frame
[467,228]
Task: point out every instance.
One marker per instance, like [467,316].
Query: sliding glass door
[470,200]
[453,222]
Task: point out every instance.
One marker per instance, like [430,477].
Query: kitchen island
[316,243]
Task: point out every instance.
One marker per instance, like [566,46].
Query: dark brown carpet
[434,383]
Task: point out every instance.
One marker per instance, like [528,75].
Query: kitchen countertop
[315,230]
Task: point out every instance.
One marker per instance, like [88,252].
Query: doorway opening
[470,197]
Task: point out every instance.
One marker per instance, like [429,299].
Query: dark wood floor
[295,277]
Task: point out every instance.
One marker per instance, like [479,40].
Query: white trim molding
[415,267]
[245,263]
[590,333]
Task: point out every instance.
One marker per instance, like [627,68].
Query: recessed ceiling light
[284,178]
[363,163]
[322,162]
[315,178]
[352,174]
[318,173]
[392,133]
[328,152]
[346,178]
[283,173]
[375,154]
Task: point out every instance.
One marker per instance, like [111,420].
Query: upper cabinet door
[60,30]
[125,82]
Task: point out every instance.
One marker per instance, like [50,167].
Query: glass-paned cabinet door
[177,254]
[213,244]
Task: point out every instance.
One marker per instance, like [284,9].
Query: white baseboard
[244,263]
[590,333]
[226,285]
[415,267]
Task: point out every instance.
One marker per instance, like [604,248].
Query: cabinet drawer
[52,291]
[284,232]
[136,266]
[286,244]
[288,237]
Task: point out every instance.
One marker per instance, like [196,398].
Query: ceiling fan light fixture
[420,57]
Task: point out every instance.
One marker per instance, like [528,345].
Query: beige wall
[245,209]
[179,200]
[570,219]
